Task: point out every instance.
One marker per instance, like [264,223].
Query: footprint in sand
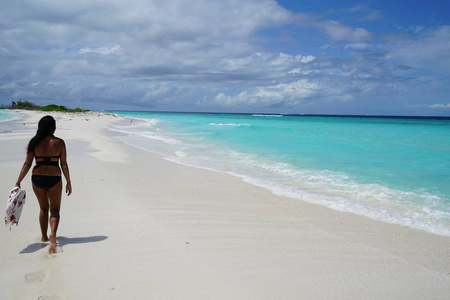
[36,276]
[50,297]
[53,254]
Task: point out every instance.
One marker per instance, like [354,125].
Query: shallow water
[390,169]
[5,115]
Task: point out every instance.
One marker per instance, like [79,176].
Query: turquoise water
[4,115]
[395,170]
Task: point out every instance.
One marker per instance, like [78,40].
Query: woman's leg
[49,199]
[54,196]
[44,205]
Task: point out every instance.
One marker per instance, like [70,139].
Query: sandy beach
[140,227]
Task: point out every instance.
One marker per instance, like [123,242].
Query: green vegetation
[31,106]
[62,108]
[25,105]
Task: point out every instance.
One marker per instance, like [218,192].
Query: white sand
[140,227]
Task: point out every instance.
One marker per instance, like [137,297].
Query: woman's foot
[45,239]
[53,245]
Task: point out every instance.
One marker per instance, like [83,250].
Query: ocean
[5,115]
[391,169]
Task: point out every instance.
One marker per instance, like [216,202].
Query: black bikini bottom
[45,181]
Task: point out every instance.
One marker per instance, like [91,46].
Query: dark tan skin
[49,199]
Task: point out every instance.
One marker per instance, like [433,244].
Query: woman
[48,151]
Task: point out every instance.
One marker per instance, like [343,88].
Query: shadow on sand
[62,241]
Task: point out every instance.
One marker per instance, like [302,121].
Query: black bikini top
[47,160]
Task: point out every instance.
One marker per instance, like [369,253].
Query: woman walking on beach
[48,151]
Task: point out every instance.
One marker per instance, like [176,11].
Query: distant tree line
[31,106]
[21,105]
[54,107]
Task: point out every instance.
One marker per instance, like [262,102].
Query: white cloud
[439,105]
[432,106]
[291,94]
[102,50]
[357,46]
[266,66]
[358,12]
[340,32]
[133,41]
[157,52]
[429,51]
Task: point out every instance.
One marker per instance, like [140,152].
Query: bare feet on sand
[53,244]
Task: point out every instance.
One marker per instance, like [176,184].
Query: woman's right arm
[25,168]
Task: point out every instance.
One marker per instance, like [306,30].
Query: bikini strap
[46,163]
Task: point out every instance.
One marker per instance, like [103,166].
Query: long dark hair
[46,126]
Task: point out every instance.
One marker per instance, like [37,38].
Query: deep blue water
[391,169]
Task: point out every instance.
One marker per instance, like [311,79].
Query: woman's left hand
[68,189]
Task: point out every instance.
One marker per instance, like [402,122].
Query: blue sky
[319,57]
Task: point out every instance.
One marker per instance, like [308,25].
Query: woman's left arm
[65,169]
[25,168]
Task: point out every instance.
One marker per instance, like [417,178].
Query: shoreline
[138,225]
[415,208]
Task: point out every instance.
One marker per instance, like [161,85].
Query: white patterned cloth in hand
[16,200]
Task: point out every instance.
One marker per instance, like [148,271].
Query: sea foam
[417,208]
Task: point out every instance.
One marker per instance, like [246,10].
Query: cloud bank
[225,55]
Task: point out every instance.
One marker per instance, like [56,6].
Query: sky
[367,57]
